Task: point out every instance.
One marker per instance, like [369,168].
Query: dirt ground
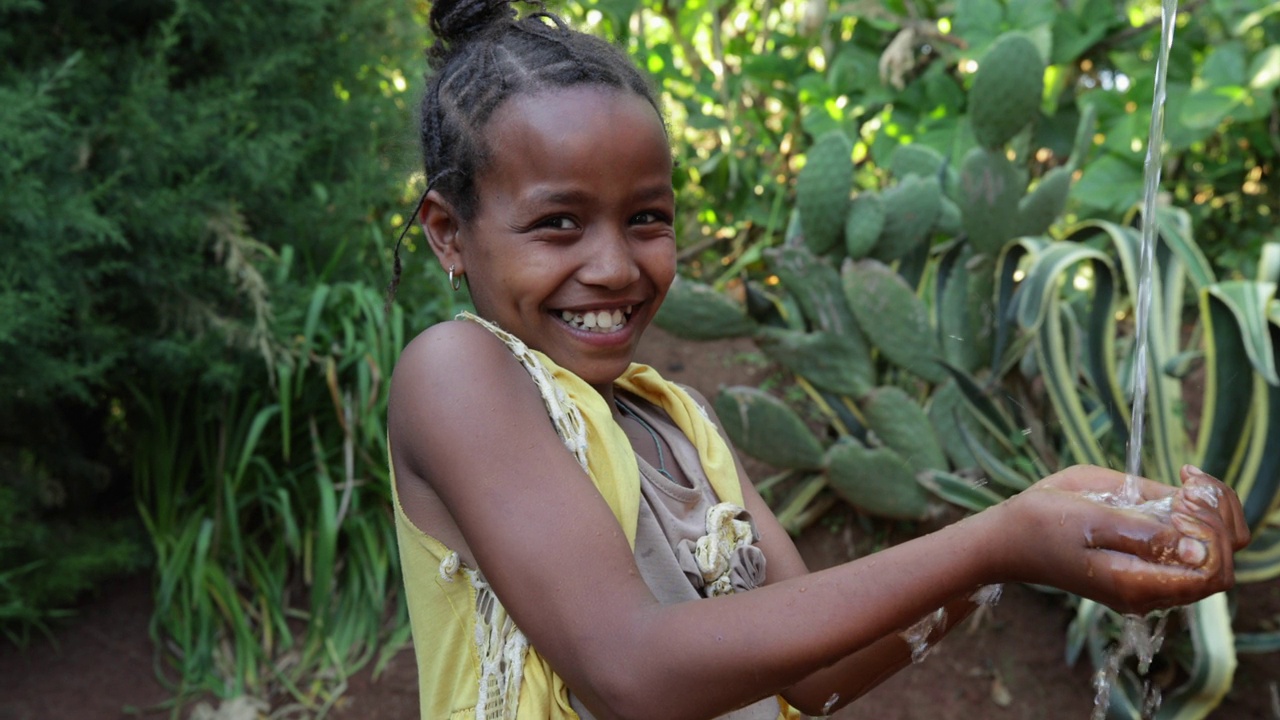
[1007,665]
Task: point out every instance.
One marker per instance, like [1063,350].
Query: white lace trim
[564,414]
[500,643]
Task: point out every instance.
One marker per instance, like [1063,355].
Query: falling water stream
[1137,638]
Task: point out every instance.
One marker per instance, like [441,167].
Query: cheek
[661,264]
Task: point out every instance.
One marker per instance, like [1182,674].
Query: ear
[441,224]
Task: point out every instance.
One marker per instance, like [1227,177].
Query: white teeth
[597,320]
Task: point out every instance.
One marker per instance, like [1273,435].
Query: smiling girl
[576,535]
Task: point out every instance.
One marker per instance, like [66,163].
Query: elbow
[617,693]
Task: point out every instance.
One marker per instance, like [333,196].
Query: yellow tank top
[473,662]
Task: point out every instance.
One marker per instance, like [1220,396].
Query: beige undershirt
[672,518]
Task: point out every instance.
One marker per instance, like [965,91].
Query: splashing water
[1136,637]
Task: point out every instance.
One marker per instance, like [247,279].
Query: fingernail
[1192,552]
[1195,472]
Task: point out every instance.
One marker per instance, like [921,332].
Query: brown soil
[1006,665]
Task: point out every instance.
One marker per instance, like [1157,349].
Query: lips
[602,320]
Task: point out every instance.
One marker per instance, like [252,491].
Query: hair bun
[454,22]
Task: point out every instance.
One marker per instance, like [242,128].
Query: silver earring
[454,282]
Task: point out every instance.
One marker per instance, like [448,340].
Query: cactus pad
[915,159]
[694,311]
[838,363]
[893,317]
[903,427]
[763,427]
[864,224]
[815,285]
[990,188]
[911,208]
[1037,211]
[822,191]
[876,480]
[1006,91]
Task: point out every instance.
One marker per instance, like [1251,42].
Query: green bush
[197,202]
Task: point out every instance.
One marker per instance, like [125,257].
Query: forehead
[583,128]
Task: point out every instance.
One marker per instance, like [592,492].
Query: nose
[609,260]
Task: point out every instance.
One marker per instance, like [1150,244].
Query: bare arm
[465,416]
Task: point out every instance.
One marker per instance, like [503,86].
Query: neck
[606,392]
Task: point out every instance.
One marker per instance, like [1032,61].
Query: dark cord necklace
[662,463]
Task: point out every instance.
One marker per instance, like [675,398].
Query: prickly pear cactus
[878,480]
[990,189]
[946,412]
[823,189]
[915,159]
[815,285]
[864,224]
[831,361]
[911,209]
[1006,91]
[765,428]
[902,426]
[1038,210]
[894,318]
[695,311]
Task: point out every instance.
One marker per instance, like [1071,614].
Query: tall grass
[268,507]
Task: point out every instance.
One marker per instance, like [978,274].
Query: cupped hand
[1072,531]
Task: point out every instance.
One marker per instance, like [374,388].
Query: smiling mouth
[599,321]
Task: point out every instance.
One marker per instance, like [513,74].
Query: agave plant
[1058,309]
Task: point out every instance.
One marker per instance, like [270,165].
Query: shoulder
[454,351]
[453,370]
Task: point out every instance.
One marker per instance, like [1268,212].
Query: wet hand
[1073,531]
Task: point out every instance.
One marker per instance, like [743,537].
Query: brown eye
[649,217]
[559,222]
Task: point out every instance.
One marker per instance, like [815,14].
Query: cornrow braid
[485,54]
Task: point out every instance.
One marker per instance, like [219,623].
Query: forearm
[834,687]
[836,625]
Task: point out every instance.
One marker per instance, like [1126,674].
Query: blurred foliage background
[198,202]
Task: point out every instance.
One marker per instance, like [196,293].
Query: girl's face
[572,248]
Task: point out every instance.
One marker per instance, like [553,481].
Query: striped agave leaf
[1066,296]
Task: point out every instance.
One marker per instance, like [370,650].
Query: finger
[1142,586]
[1094,479]
[1140,535]
[1227,502]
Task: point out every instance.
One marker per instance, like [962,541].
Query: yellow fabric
[442,605]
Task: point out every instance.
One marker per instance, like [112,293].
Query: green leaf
[1264,70]
[764,427]
[893,317]
[1109,183]
[876,480]
[1214,665]
[1207,107]
[961,492]
[1250,304]
[816,286]
[902,426]
[834,362]
[694,311]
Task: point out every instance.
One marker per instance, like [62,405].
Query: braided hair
[485,54]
